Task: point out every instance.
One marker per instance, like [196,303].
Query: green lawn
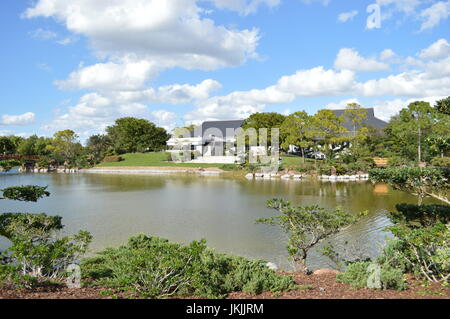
[289,160]
[160,160]
[152,160]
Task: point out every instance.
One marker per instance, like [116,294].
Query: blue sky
[81,64]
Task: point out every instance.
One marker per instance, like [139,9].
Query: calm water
[186,208]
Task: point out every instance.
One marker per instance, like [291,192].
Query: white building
[212,142]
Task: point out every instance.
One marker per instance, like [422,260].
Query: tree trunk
[303,154]
[419,150]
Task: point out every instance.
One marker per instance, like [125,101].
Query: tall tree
[131,135]
[329,131]
[416,120]
[267,121]
[97,147]
[443,106]
[65,147]
[297,130]
[356,115]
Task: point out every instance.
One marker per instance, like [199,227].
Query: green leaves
[156,268]
[131,135]
[419,181]
[306,226]
[25,193]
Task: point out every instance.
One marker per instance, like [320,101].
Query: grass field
[160,160]
[151,160]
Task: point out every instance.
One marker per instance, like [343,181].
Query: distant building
[370,121]
[209,140]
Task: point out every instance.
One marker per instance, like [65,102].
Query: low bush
[113,159]
[357,276]
[156,268]
[415,216]
[441,162]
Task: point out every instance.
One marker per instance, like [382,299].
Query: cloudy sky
[81,64]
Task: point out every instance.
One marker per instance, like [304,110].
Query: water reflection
[186,208]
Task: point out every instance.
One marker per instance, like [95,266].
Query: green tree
[65,147]
[267,121]
[35,249]
[420,181]
[6,145]
[306,226]
[34,145]
[329,131]
[356,115]
[98,146]
[131,135]
[443,106]
[297,130]
[414,123]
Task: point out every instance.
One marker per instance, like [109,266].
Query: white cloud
[387,54]
[346,16]
[244,7]
[169,33]
[126,75]
[439,49]
[165,119]
[349,59]
[434,14]
[24,119]
[43,34]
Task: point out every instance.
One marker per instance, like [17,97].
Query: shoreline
[153,170]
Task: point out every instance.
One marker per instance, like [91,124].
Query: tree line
[419,133]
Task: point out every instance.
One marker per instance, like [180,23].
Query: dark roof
[371,119]
[221,126]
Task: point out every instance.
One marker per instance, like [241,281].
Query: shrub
[415,216]
[357,276]
[35,249]
[113,159]
[156,268]
[306,226]
[27,193]
[397,161]
[7,165]
[422,251]
[441,162]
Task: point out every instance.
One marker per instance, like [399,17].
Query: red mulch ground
[323,287]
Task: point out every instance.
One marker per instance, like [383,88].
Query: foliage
[7,165]
[131,135]
[7,145]
[296,130]
[35,145]
[441,162]
[329,131]
[423,251]
[306,226]
[113,159]
[65,147]
[443,106]
[419,181]
[412,126]
[422,243]
[417,216]
[36,251]
[156,268]
[439,144]
[98,146]
[357,276]
[27,193]
[267,121]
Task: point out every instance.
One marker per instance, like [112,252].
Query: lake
[220,209]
